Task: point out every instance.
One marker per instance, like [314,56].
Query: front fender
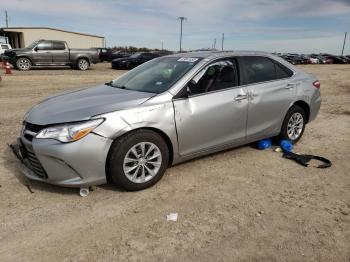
[159,117]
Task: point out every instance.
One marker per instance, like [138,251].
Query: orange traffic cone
[8,69]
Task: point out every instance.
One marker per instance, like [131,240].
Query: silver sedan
[166,111]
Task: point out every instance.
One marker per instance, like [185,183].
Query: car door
[271,90]
[42,53]
[214,112]
[60,53]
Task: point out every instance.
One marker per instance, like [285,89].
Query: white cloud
[148,22]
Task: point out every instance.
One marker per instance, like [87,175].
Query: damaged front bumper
[78,164]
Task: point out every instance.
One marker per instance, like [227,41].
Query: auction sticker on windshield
[188,59]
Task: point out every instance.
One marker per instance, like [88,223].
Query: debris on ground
[29,188]
[172,217]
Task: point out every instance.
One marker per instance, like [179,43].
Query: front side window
[156,76]
[4,47]
[44,46]
[217,76]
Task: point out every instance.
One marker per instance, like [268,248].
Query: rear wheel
[138,160]
[23,64]
[83,64]
[294,124]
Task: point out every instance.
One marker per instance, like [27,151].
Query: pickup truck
[51,53]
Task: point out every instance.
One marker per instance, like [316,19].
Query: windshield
[156,76]
[32,45]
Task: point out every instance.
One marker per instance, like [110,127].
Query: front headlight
[70,132]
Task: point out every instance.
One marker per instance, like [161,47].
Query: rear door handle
[241,97]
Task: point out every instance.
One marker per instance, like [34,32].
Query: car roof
[218,54]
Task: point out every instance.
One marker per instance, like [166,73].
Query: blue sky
[271,25]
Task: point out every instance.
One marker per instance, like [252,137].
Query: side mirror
[36,49]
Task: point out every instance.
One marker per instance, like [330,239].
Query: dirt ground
[239,205]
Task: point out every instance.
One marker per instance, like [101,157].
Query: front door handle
[241,97]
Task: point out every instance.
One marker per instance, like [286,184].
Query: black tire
[83,64]
[119,150]
[284,130]
[23,64]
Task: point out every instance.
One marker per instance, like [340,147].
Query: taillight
[317,84]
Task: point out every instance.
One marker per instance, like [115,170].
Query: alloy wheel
[295,126]
[83,64]
[23,64]
[142,162]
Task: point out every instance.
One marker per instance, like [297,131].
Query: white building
[20,37]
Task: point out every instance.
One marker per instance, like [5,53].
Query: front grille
[35,165]
[31,161]
[30,130]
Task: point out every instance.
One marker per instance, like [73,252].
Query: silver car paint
[84,103]
[193,127]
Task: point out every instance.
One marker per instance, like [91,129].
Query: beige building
[19,37]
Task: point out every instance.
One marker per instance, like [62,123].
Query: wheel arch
[24,56]
[305,106]
[82,57]
[155,130]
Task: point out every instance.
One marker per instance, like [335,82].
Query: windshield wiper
[110,83]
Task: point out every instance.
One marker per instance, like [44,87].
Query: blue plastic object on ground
[264,143]
[286,145]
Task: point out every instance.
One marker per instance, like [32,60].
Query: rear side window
[282,71]
[261,69]
[58,46]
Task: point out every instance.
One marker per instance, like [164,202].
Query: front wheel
[23,64]
[83,64]
[294,124]
[138,160]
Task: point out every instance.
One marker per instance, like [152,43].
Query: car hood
[18,50]
[83,104]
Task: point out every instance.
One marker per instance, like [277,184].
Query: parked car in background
[4,47]
[102,53]
[111,55]
[51,53]
[339,60]
[347,59]
[295,59]
[133,60]
[321,59]
[167,111]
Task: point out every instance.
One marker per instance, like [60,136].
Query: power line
[181,18]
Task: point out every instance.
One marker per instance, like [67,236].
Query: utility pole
[7,19]
[181,18]
[222,41]
[214,45]
[162,45]
[342,51]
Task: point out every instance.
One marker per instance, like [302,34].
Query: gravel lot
[239,205]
